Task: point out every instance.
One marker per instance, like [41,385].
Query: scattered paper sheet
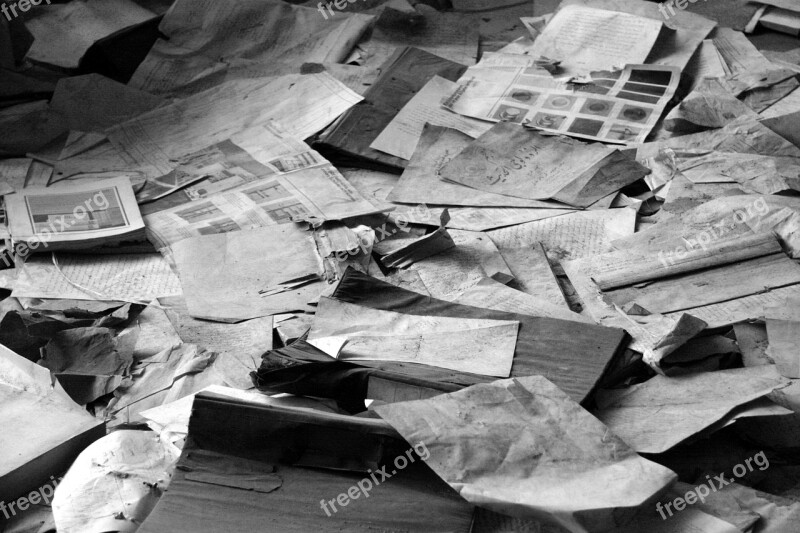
[514,161]
[352,332]
[453,36]
[656,415]
[418,248]
[300,105]
[473,258]
[64,32]
[223,274]
[122,277]
[93,102]
[265,180]
[492,294]
[612,106]
[89,499]
[528,451]
[569,236]
[420,181]
[585,39]
[38,418]
[677,43]
[206,39]
[238,346]
[400,137]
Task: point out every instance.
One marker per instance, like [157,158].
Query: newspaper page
[614,107]
[268,179]
[300,104]
[61,214]
[584,39]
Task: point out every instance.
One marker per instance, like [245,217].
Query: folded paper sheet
[528,450]
[351,332]
[658,414]
[249,262]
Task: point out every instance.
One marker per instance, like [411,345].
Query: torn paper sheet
[584,39]
[514,161]
[418,249]
[473,258]
[351,332]
[743,135]
[400,137]
[238,346]
[204,40]
[686,328]
[491,294]
[708,106]
[124,277]
[64,32]
[114,483]
[163,378]
[222,274]
[534,446]
[88,362]
[659,414]
[758,174]
[532,271]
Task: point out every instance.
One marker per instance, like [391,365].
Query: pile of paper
[399,266]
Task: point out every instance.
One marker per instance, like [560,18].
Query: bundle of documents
[478,267]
